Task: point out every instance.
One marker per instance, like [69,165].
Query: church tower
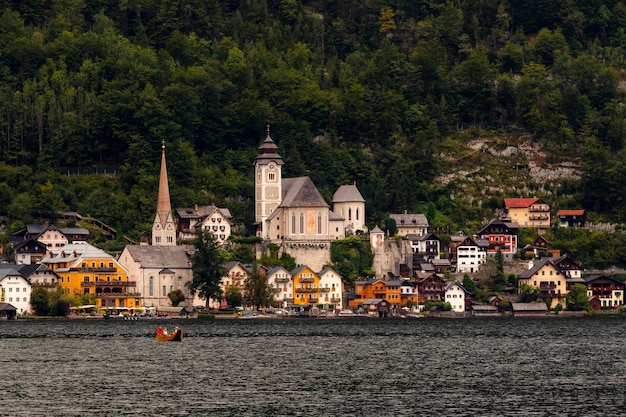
[267,183]
[163,228]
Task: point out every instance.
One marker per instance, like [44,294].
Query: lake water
[316,367]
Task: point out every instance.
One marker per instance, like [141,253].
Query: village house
[528,212]
[430,287]
[189,220]
[377,289]
[571,218]
[410,223]
[306,286]
[501,234]
[15,289]
[458,297]
[470,255]
[85,269]
[331,288]
[279,279]
[609,292]
[540,247]
[553,276]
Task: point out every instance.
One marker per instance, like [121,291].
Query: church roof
[159,256]
[301,192]
[348,194]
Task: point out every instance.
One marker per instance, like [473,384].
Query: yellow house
[85,269]
[305,286]
[528,212]
[550,280]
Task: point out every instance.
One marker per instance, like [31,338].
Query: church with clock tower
[292,213]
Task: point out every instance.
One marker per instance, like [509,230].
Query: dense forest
[354,90]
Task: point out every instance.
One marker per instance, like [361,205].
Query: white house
[280,280]
[457,296]
[15,290]
[469,256]
[330,288]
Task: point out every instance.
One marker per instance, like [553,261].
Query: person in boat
[175,329]
[159,331]
[165,331]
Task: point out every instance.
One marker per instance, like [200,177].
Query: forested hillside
[354,90]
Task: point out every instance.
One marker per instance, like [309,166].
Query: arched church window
[301,223]
[349,214]
[319,223]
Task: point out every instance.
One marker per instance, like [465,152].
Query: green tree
[176,297]
[577,298]
[233,296]
[207,267]
[529,294]
[258,293]
[39,301]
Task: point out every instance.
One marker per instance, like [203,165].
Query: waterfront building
[306,286]
[279,279]
[331,288]
[608,291]
[85,269]
[457,296]
[15,289]
[158,271]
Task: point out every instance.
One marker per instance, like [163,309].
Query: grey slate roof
[410,219]
[301,192]
[160,256]
[347,194]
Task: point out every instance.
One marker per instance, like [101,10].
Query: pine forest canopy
[366,91]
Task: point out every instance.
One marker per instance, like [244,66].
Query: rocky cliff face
[483,168]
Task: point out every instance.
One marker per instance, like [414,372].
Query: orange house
[85,269]
[378,289]
[305,286]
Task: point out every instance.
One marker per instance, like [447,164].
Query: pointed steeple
[164,206]
[163,229]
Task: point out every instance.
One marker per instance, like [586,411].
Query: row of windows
[93,265]
[17,289]
[17,299]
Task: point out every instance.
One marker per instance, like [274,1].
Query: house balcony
[545,286]
[281,280]
[288,299]
[118,295]
[538,217]
[539,209]
[306,289]
[324,289]
[313,298]
[335,299]
[109,284]
[551,294]
[94,270]
[307,279]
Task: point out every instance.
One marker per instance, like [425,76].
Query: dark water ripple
[299,367]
